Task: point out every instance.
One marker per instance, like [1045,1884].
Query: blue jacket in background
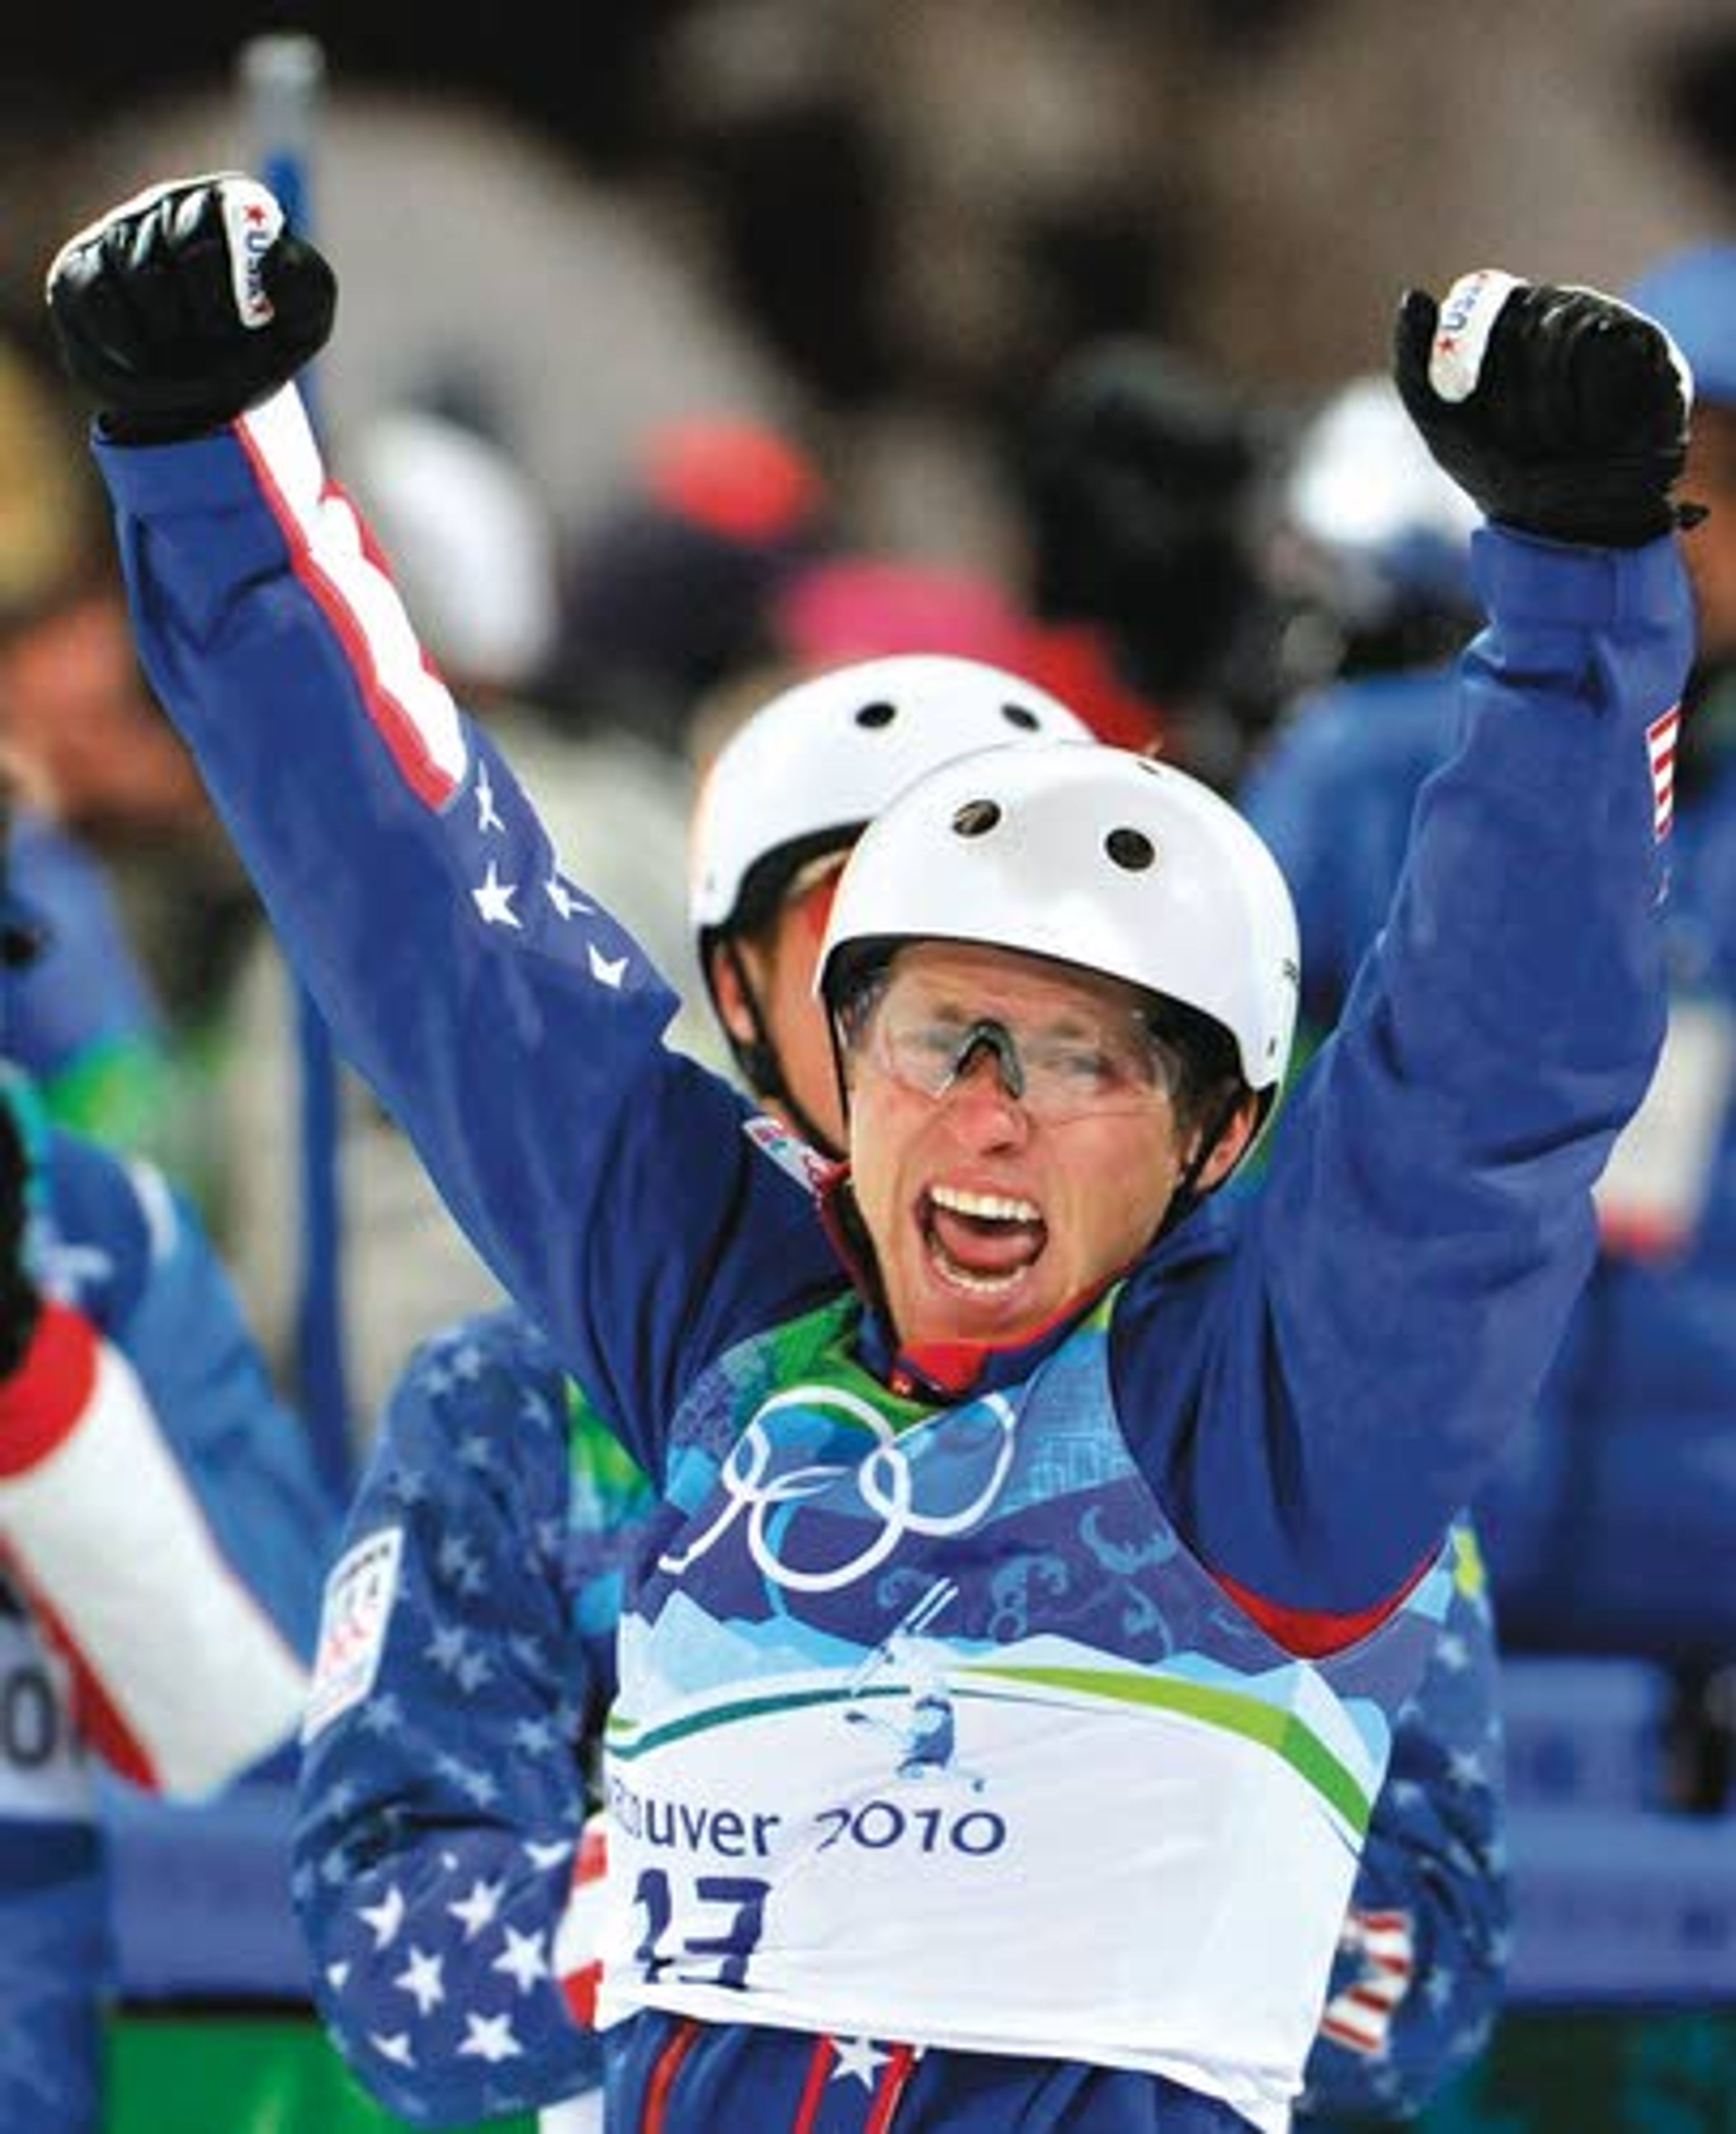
[165,1538]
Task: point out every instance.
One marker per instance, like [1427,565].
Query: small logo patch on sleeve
[359,1597]
[790,1152]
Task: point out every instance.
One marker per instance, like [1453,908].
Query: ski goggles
[1080,1061]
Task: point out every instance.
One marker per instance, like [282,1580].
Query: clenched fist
[1562,412]
[184,306]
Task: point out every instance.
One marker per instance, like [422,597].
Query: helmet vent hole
[1020,716]
[876,715]
[976,819]
[1132,849]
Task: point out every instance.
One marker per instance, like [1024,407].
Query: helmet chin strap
[762,1070]
[1188,1196]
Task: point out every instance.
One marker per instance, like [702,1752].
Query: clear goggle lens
[1079,1062]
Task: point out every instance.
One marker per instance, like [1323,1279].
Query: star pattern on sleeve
[510,860]
[436,1928]
[1417,1979]
[525,1959]
[456,1981]
[384,1918]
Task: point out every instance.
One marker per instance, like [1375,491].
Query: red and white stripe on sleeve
[182,1679]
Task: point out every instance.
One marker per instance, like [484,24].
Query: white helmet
[1095,856]
[822,758]
[473,543]
[1391,532]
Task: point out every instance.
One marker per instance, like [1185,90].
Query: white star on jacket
[476,1909]
[564,897]
[385,1918]
[487,817]
[523,1959]
[490,2038]
[494,899]
[859,2057]
[420,1979]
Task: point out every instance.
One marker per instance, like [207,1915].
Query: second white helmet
[818,761]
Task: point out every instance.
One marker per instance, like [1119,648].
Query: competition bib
[44,1772]
[931,1728]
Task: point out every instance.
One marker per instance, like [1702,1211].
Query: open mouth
[981,1244]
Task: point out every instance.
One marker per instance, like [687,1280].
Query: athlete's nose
[995,1038]
[981,1096]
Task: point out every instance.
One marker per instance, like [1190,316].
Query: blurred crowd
[855,347]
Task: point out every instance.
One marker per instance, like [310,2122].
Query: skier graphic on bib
[925,1725]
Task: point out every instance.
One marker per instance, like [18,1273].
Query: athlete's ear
[723,972]
[1227,1150]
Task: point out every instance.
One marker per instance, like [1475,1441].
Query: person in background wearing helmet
[1158,1485]
[163,1537]
[1610,1525]
[1370,541]
[784,801]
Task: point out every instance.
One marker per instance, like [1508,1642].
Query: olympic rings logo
[882,1485]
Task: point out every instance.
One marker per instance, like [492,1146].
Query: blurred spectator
[1372,542]
[863,605]
[163,1539]
[854,605]
[471,540]
[116,843]
[83,1023]
[1144,482]
[1612,1525]
[666,592]
[73,708]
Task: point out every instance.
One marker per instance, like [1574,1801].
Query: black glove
[21,1302]
[1560,411]
[184,306]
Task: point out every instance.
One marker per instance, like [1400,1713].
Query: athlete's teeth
[990,1207]
[981,1285]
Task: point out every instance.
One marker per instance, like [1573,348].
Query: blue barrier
[201,1897]
[1585,1733]
[1623,1906]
